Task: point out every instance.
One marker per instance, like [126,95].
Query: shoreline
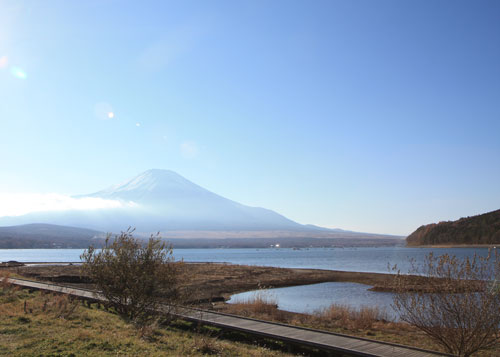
[217,282]
[492,246]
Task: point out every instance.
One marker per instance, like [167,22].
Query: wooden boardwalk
[322,340]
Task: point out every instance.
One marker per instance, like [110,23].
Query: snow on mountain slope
[161,200]
[181,204]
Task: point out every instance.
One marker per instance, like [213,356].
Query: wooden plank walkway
[303,336]
[322,340]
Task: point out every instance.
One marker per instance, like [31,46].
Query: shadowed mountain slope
[481,229]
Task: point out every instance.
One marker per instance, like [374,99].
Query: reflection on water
[315,297]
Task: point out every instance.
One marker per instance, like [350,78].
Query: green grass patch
[38,324]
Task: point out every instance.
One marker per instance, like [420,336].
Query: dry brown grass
[7,290]
[61,306]
[264,306]
[350,318]
[4,279]
[206,341]
[261,305]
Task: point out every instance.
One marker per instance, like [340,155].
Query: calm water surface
[349,259]
[307,298]
[313,298]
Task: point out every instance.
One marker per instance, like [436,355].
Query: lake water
[307,298]
[349,259]
[313,298]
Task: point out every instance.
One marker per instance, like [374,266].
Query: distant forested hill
[52,236]
[481,229]
[48,236]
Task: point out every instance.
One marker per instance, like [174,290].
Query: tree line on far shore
[476,230]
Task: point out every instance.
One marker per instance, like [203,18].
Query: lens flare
[104,111]
[4,61]
[137,124]
[18,73]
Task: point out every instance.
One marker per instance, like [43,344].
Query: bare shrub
[460,309]
[133,276]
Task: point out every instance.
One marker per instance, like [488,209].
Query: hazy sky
[375,116]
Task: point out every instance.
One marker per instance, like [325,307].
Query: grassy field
[50,325]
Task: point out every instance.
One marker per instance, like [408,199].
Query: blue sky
[375,116]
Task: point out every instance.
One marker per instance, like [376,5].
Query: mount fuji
[167,201]
[162,200]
